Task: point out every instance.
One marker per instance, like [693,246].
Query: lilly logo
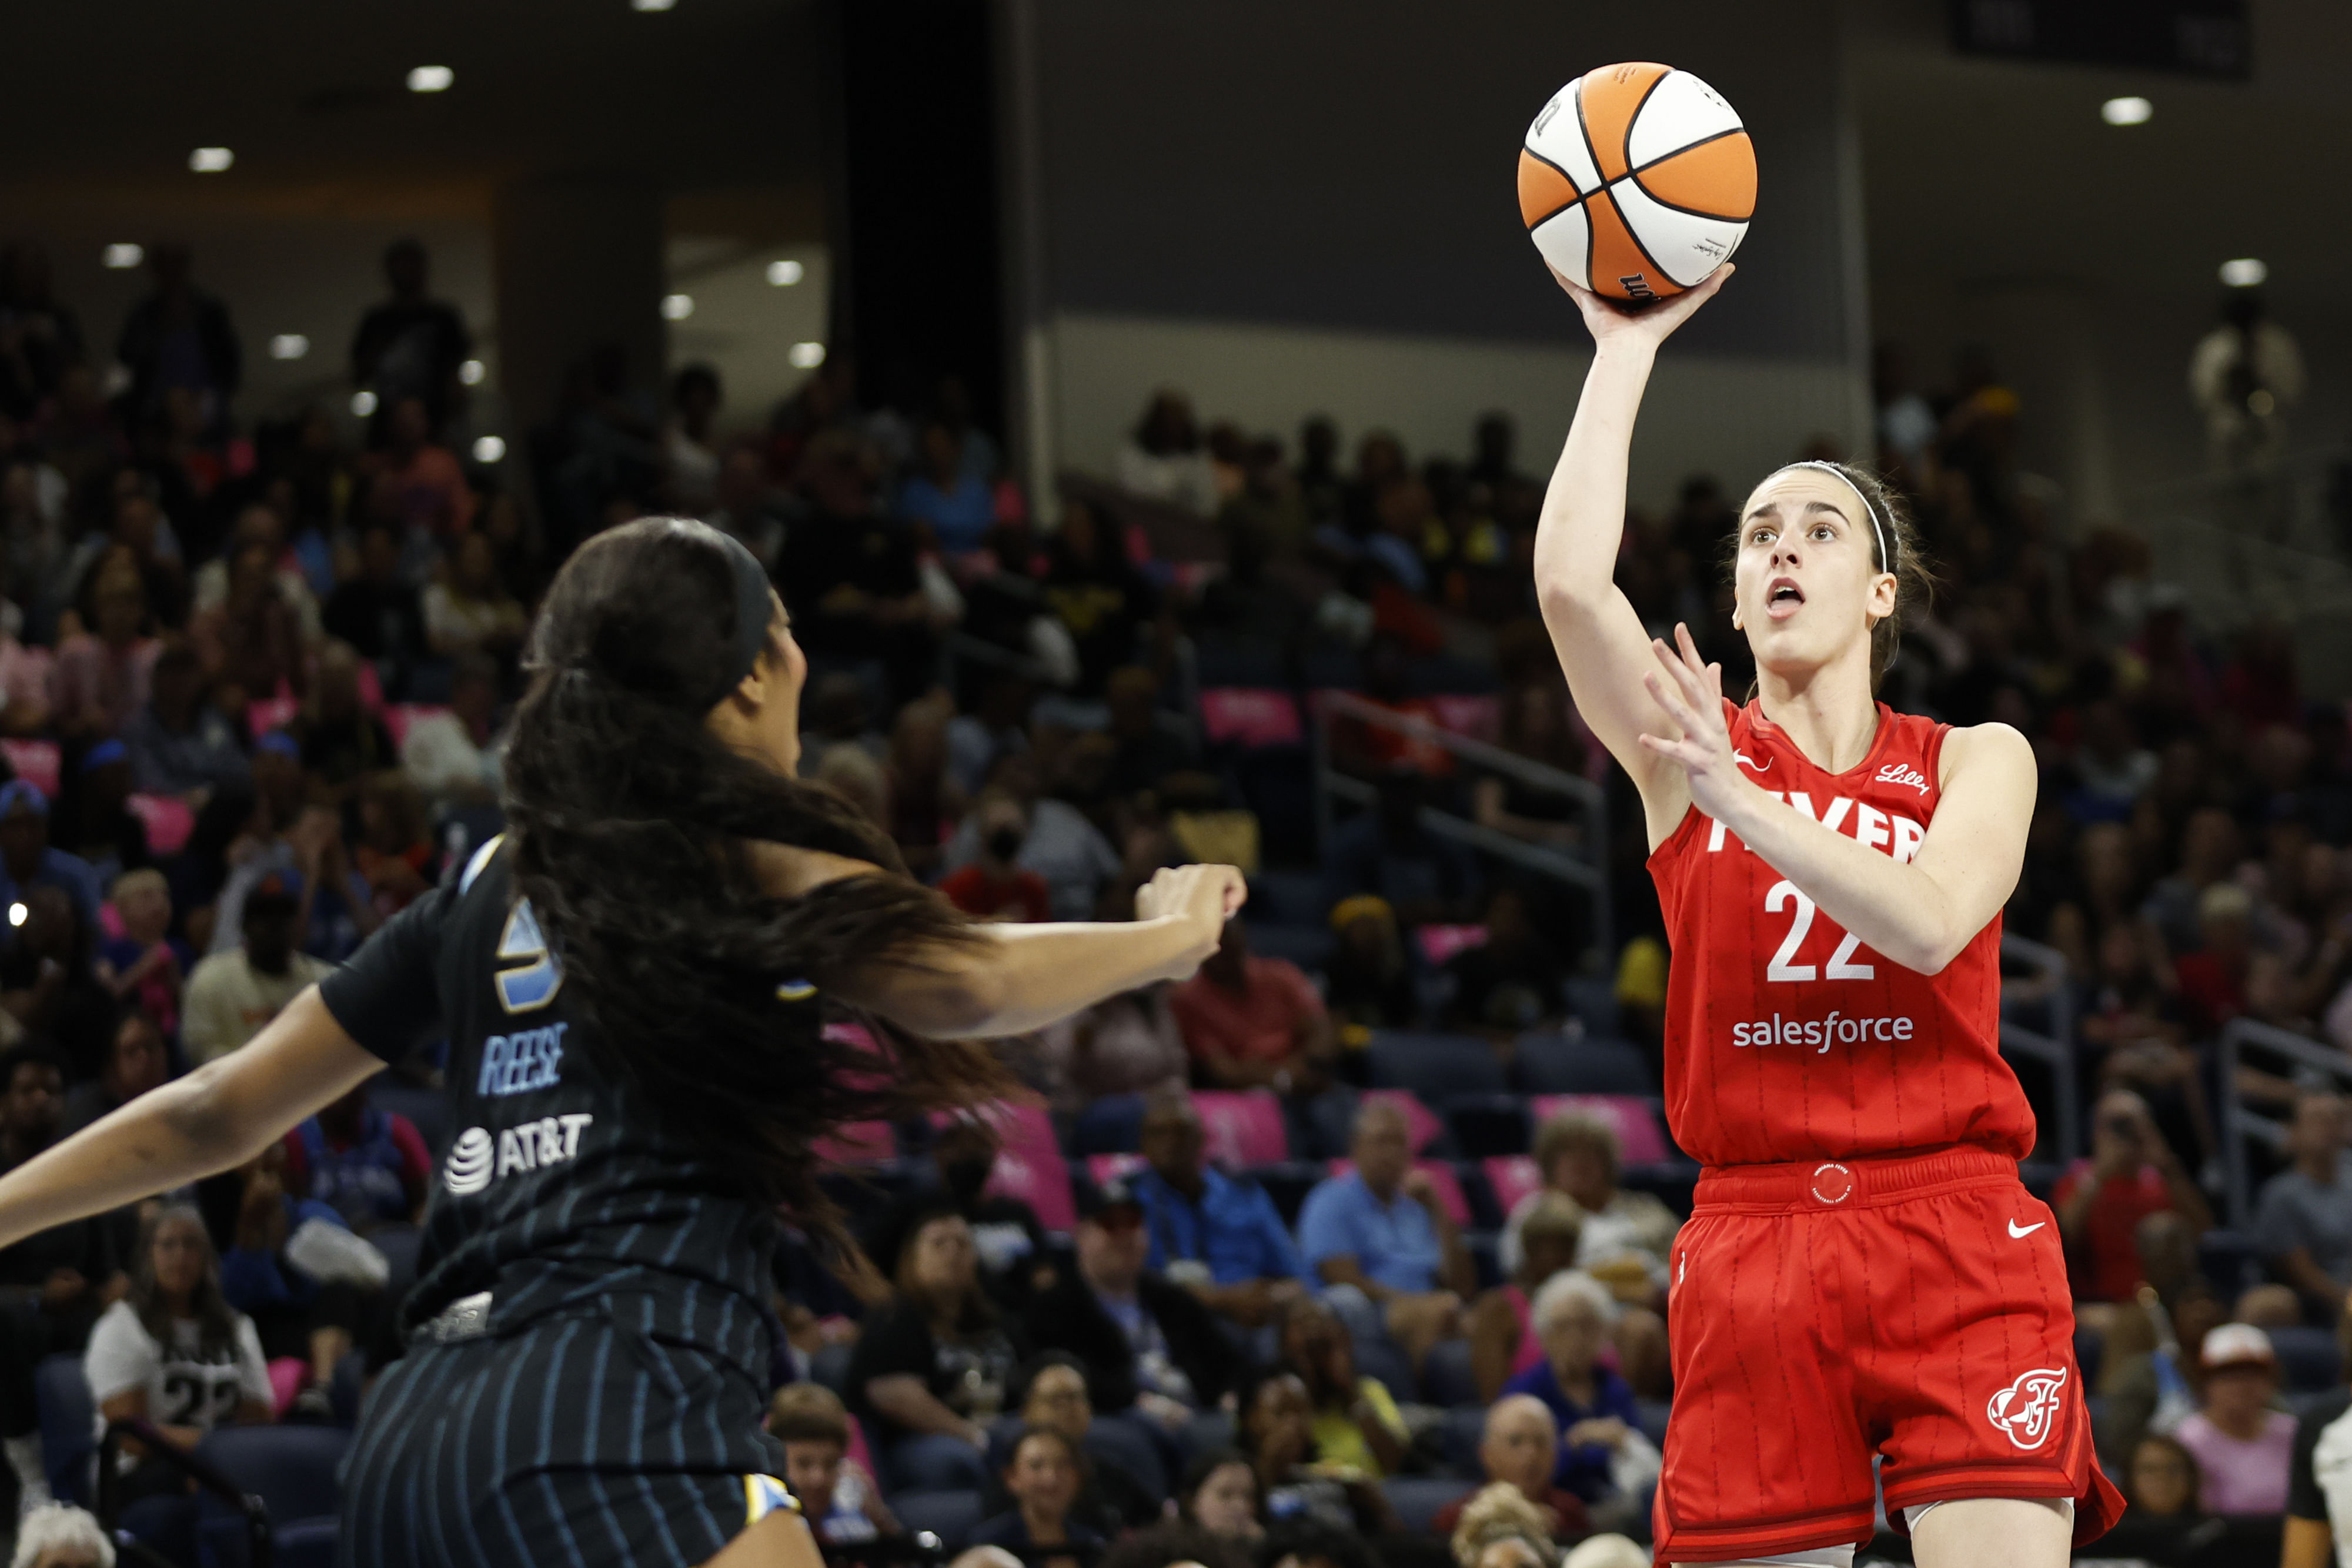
[468,1169]
[2028,1408]
[1902,773]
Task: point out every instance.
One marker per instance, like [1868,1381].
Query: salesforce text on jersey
[1820,1033]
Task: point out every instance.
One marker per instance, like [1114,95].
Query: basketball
[1637,180]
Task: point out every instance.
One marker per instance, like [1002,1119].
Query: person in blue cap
[100,826]
[28,861]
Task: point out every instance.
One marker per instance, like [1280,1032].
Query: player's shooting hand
[1203,896]
[1691,693]
[1646,327]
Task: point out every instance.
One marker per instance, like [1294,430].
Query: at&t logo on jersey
[2028,1408]
[475,1159]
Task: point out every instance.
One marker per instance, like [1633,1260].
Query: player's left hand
[1691,693]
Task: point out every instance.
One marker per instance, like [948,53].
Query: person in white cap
[2241,1444]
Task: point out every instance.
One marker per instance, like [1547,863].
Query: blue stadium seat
[427,1108]
[1652,1415]
[950,1515]
[1593,1003]
[349,1387]
[1465,1429]
[1418,1499]
[1308,947]
[1485,1257]
[1485,1125]
[2308,1358]
[2231,1261]
[1486,1209]
[1110,1125]
[1433,1066]
[399,1244]
[68,1426]
[2090,1351]
[1671,1182]
[291,1469]
[1288,1183]
[1446,1376]
[1286,898]
[1551,1064]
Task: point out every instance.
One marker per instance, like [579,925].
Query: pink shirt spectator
[27,675]
[2241,1476]
[428,492]
[88,674]
[1257,1023]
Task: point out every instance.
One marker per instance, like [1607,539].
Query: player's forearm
[1016,979]
[1583,515]
[1904,913]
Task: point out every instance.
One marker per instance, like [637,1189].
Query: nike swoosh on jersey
[2018,1233]
[1743,756]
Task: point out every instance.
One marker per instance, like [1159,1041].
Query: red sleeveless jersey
[1787,1039]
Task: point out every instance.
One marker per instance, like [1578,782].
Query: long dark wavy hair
[629,820]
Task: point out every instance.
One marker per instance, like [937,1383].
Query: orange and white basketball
[1637,180]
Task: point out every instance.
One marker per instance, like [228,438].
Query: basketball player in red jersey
[1863,1273]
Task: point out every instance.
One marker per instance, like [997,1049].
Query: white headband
[1885,556]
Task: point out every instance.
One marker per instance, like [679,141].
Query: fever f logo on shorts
[2028,1408]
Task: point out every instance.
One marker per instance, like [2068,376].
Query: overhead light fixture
[2126,110]
[122,258]
[676,307]
[2244,272]
[471,372]
[363,402]
[490,448]
[288,346]
[651,5]
[211,160]
[431,78]
[784,274]
[806,356]
[18,914]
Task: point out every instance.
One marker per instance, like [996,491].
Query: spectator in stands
[58,1535]
[1503,1340]
[996,886]
[2315,1488]
[2132,1173]
[335,908]
[174,1353]
[1147,1346]
[1043,1478]
[1509,983]
[371,1167]
[137,1063]
[178,336]
[1254,1023]
[691,459]
[1218,1238]
[1499,1528]
[745,506]
[1357,1425]
[232,994]
[930,1369]
[2212,979]
[850,577]
[1061,846]
[471,611]
[409,346]
[1519,1449]
[394,854]
[1603,1455]
[838,1499]
[1127,1044]
[1300,1482]
[312,1290]
[53,1283]
[1625,1236]
[102,674]
[1096,592]
[340,738]
[2242,1447]
[924,799]
[1164,458]
[2163,1481]
[257,525]
[957,506]
[457,756]
[104,833]
[378,613]
[1367,984]
[416,482]
[1113,1496]
[1146,755]
[27,861]
[1386,850]
[1010,1242]
[49,983]
[179,742]
[1381,1234]
[2208,853]
[252,645]
[1220,1495]
[2303,1225]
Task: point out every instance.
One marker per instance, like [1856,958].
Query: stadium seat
[292,1470]
[68,1426]
[1433,1066]
[1446,1376]
[347,1388]
[1485,1257]
[1510,1177]
[1592,1003]
[1486,1213]
[950,1515]
[2308,1358]
[1308,947]
[1242,1130]
[2090,1351]
[2231,1261]
[399,1244]
[1249,714]
[1286,898]
[1671,1182]
[1287,1185]
[1029,1164]
[1652,1415]
[1112,1125]
[1379,1359]
[1418,1499]
[427,1108]
[830,1365]
[1553,1063]
[1486,1125]
[1464,1428]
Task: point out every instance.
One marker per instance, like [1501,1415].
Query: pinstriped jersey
[1787,1037]
[560,1188]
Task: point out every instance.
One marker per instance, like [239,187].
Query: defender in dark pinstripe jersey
[633,985]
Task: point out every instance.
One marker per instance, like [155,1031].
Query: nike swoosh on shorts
[2018,1233]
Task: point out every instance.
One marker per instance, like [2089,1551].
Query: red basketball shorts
[1823,1312]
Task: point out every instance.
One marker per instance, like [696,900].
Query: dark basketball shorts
[578,1441]
[1824,1312]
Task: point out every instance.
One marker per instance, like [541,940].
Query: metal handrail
[1590,872]
[255,1512]
[2054,1050]
[2238,1123]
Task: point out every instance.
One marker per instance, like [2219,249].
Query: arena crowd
[1353,1249]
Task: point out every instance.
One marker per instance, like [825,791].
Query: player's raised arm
[1601,645]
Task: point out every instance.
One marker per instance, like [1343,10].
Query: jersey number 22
[1841,965]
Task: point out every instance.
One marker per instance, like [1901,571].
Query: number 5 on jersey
[1841,965]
